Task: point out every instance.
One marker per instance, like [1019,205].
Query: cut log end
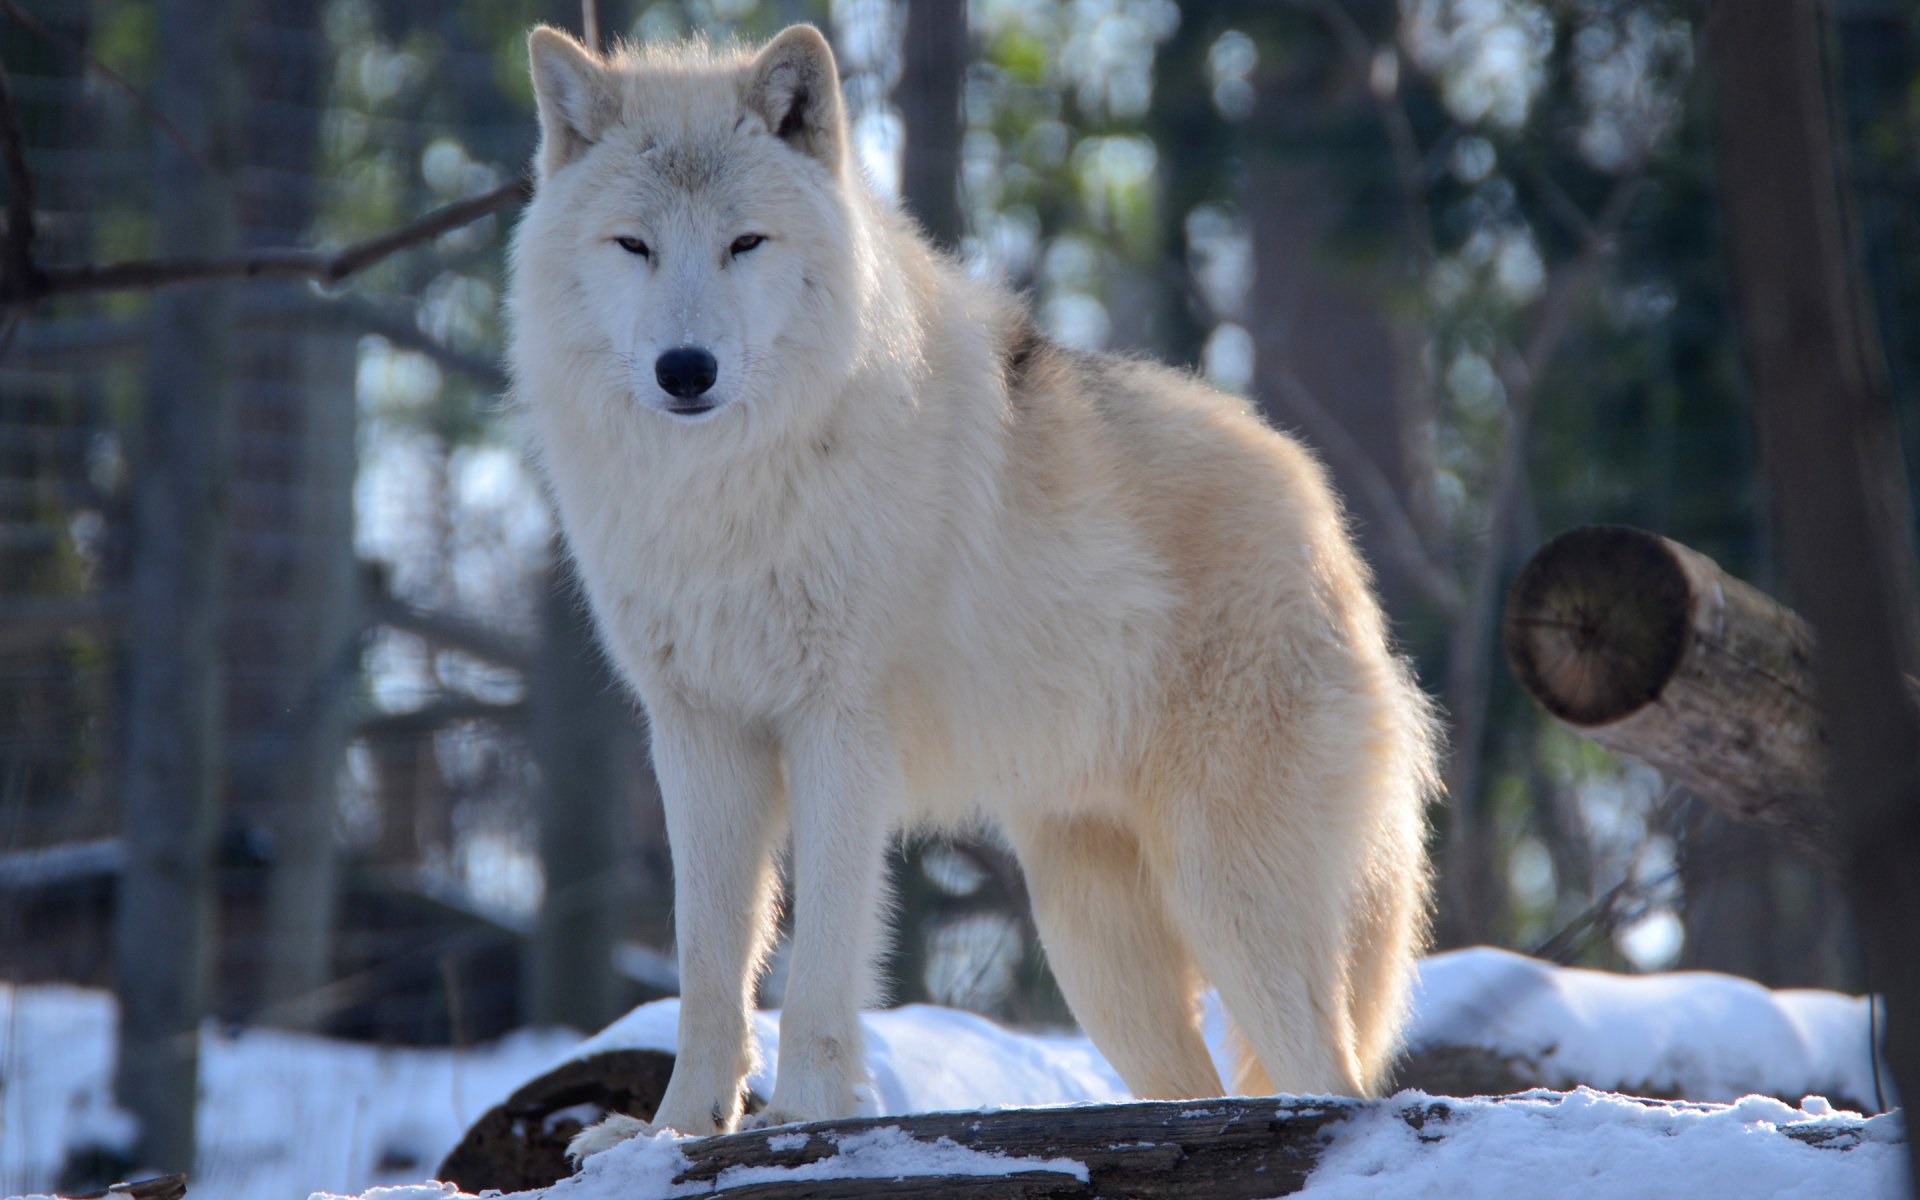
[1597,623]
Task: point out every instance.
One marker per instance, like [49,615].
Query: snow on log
[1650,649]
[1219,1148]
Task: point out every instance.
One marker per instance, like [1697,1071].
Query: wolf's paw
[766,1119]
[604,1135]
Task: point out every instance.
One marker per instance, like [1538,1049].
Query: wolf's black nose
[685,371]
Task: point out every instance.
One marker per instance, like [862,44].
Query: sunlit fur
[920,565]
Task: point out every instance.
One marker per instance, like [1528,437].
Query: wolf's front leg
[720,783]
[844,779]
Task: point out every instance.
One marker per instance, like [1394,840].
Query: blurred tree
[1840,496]
[170,789]
[935,51]
[580,718]
[294,625]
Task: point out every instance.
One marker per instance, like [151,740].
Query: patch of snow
[411,1191]
[1705,1035]
[280,1115]
[889,1153]
[923,1058]
[1586,1143]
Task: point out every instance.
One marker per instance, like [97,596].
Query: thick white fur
[920,565]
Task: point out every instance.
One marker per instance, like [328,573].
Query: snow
[286,1115]
[1700,1034]
[648,1166]
[282,1114]
[1593,1144]
[923,1058]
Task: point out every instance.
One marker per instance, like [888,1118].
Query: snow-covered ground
[285,1115]
[281,1115]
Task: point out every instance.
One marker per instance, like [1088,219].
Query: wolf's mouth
[690,408]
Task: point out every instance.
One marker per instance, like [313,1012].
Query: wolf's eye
[633,245]
[746,242]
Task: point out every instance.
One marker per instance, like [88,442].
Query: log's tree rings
[1597,622]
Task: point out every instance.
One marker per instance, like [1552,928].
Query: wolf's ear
[576,97]
[795,87]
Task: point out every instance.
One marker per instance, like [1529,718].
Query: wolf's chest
[756,644]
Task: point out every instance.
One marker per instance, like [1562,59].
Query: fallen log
[1653,651]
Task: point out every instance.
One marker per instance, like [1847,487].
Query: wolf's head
[693,239]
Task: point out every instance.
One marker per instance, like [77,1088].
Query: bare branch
[1402,539]
[392,322]
[18,266]
[422,722]
[453,633]
[590,24]
[35,25]
[320,265]
[1556,307]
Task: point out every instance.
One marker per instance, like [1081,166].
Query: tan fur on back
[920,565]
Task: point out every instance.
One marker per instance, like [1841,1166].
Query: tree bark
[1839,498]
[172,768]
[293,642]
[1650,649]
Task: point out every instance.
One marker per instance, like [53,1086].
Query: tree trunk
[1653,651]
[305,620]
[580,715]
[1839,499]
[933,75]
[170,795]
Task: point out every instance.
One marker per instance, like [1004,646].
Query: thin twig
[323,266]
[19,270]
[394,323]
[35,25]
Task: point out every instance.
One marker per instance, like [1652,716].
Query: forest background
[299,720]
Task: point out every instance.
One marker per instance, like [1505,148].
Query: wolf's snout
[685,371]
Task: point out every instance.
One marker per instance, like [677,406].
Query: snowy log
[1217,1149]
[1650,649]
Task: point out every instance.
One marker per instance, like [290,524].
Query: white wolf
[872,551]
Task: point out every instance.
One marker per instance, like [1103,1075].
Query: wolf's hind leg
[1119,961]
[1263,909]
